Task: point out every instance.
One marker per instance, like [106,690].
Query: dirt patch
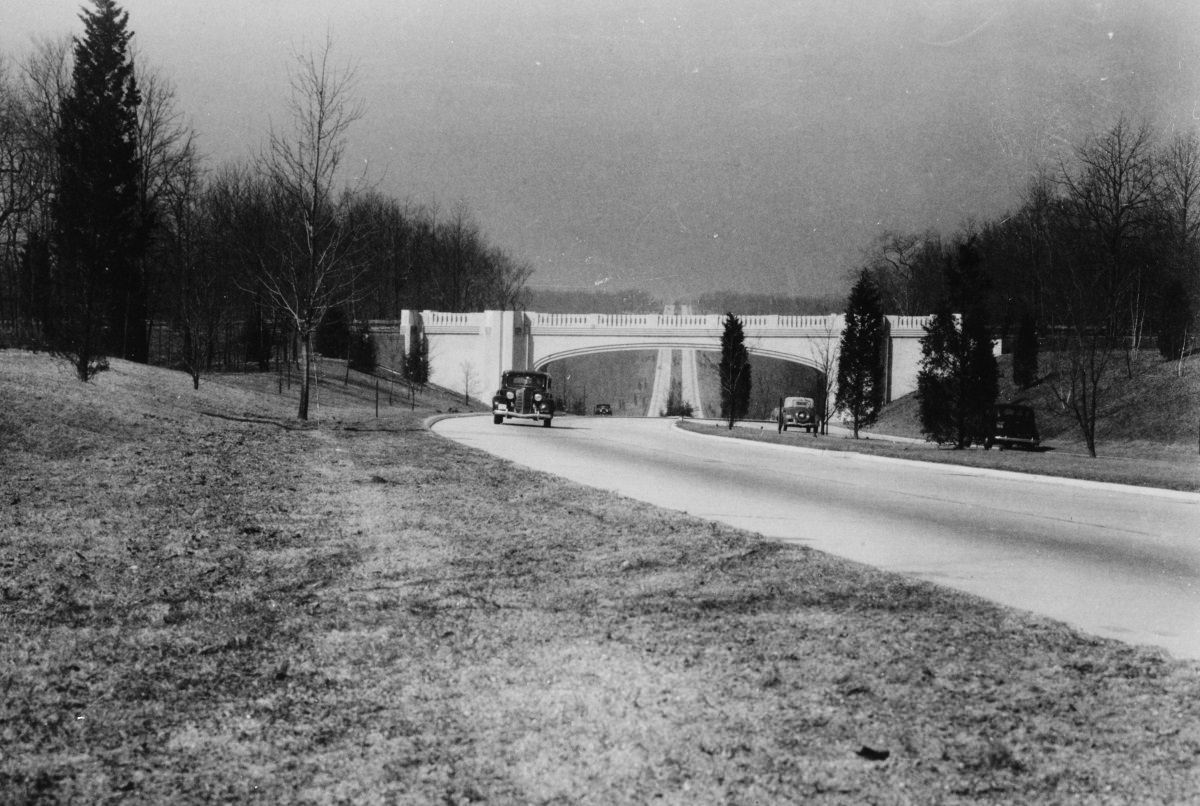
[205,600]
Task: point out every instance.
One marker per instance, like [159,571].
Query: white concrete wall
[905,333]
[484,344]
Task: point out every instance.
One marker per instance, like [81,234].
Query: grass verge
[204,600]
[1169,467]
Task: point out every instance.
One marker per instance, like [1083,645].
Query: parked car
[525,395]
[1012,425]
[603,410]
[797,412]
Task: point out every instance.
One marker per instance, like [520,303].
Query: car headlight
[510,394]
[538,397]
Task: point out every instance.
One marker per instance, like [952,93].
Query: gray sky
[679,147]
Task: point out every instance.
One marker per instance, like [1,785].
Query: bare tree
[310,269]
[199,281]
[469,381]
[30,98]
[168,162]
[1179,171]
[825,357]
[16,196]
[1179,296]
[907,271]
[1113,197]
[1099,232]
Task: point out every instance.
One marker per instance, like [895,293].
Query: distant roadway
[1113,561]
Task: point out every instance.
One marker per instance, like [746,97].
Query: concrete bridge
[470,350]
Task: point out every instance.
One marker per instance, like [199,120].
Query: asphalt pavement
[1116,561]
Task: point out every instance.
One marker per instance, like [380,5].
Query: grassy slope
[1158,412]
[203,600]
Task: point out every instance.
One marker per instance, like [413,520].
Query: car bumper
[522,415]
[1016,442]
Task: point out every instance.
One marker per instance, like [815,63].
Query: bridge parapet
[436,321]
[714,323]
[908,326]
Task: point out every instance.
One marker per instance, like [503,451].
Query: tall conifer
[860,357]
[957,384]
[100,296]
[734,370]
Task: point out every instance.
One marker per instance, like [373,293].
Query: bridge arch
[540,362]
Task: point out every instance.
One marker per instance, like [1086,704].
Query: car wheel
[497,418]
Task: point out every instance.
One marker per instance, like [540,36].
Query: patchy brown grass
[205,601]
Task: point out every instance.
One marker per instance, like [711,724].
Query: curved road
[1114,561]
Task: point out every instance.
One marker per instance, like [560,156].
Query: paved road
[1114,561]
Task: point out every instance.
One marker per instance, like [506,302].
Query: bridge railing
[682,322]
[443,319]
[902,324]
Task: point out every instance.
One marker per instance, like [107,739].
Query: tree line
[117,239]
[1098,266]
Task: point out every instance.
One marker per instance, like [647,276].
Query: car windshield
[536,381]
[797,402]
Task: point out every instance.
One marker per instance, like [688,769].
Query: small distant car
[525,395]
[797,412]
[603,410]
[1012,425]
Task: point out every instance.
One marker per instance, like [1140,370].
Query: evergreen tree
[957,383]
[860,356]
[940,352]
[981,383]
[416,362]
[734,370]
[99,232]
[1025,353]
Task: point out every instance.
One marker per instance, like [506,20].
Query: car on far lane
[603,410]
[1012,426]
[797,412]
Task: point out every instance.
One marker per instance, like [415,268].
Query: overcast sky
[681,147]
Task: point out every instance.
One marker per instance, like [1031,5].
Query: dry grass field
[202,600]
